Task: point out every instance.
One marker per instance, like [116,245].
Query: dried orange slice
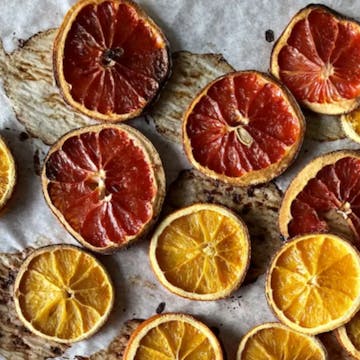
[243,128]
[62,293]
[110,59]
[173,336]
[317,58]
[276,341]
[7,174]
[351,124]
[313,284]
[201,252]
[349,336]
[105,184]
[324,197]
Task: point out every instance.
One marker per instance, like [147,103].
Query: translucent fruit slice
[243,128]
[110,59]
[349,336]
[324,197]
[105,183]
[172,337]
[201,252]
[7,174]
[351,124]
[313,284]
[317,57]
[62,293]
[276,341]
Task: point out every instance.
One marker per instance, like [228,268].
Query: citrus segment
[317,58]
[243,128]
[276,341]
[201,252]
[110,58]
[62,293]
[171,337]
[349,336]
[105,183]
[324,198]
[351,125]
[313,284]
[7,174]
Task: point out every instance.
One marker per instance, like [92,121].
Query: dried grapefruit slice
[110,59]
[313,283]
[7,174]
[243,128]
[324,197]
[62,293]
[171,337]
[351,124]
[105,183]
[277,341]
[317,57]
[201,252]
[349,336]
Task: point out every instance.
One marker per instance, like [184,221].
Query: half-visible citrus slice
[172,337]
[317,57]
[349,336]
[324,197]
[313,284]
[277,341]
[201,252]
[62,293]
[106,185]
[110,59]
[351,124]
[243,128]
[7,174]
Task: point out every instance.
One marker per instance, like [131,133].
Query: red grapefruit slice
[105,184]
[318,58]
[243,128]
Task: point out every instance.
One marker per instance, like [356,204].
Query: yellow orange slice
[201,252]
[313,283]
[62,293]
[276,341]
[7,174]
[351,124]
[172,337]
[349,336]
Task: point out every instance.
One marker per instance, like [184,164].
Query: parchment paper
[231,27]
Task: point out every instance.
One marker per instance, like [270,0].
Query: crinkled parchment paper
[233,28]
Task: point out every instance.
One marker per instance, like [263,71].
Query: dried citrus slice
[351,124]
[7,174]
[243,128]
[62,293]
[105,183]
[324,197]
[201,252]
[277,341]
[171,337]
[110,59]
[317,58]
[349,336]
[313,284]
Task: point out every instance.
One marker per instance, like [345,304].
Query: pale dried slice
[351,124]
[173,336]
[190,73]
[277,341]
[258,206]
[349,336]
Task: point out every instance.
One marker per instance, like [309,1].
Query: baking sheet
[231,27]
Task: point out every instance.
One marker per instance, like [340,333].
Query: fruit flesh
[203,252]
[103,184]
[320,61]
[4,172]
[113,59]
[243,123]
[64,293]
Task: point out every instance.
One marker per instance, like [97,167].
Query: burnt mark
[37,165]
[269,35]
[23,136]
[160,308]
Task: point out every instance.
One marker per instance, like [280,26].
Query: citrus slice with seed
[62,293]
[7,174]
[201,252]
[351,124]
[349,336]
[243,128]
[110,59]
[277,341]
[324,197]
[313,283]
[317,58]
[171,337]
[105,183]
